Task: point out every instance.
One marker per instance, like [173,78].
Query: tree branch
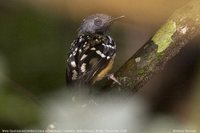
[180,28]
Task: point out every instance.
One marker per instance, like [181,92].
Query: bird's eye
[98,22]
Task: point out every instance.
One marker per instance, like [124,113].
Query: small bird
[92,53]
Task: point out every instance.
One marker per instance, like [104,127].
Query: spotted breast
[90,58]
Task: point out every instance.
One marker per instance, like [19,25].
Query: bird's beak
[117,18]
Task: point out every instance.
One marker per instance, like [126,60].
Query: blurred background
[35,36]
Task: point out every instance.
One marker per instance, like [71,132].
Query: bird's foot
[112,77]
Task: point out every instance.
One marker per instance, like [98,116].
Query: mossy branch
[180,28]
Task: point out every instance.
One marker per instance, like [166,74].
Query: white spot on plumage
[104,44]
[84,56]
[93,48]
[100,53]
[74,53]
[74,74]
[110,39]
[83,67]
[80,39]
[80,50]
[73,64]
[108,57]
[110,46]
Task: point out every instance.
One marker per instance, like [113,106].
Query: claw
[112,77]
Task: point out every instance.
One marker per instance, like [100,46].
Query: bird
[92,53]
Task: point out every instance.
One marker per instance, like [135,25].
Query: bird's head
[97,23]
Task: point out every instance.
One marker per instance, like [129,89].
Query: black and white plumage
[92,54]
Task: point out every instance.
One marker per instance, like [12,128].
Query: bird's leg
[112,77]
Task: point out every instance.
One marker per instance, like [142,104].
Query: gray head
[97,23]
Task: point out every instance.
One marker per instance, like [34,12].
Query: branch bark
[180,28]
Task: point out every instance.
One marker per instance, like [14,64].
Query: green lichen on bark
[181,27]
[140,71]
[163,37]
[159,56]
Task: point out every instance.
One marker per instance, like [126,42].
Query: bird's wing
[95,59]
[89,56]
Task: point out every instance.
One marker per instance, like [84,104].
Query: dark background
[34,41]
